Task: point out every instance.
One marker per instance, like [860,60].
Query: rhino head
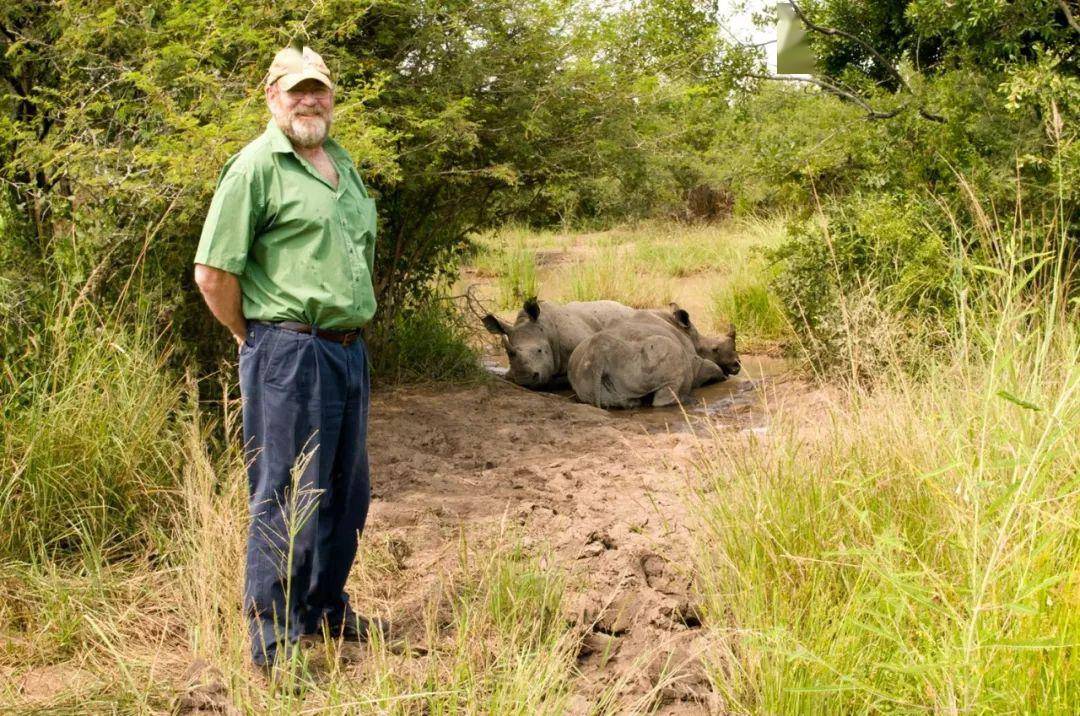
[527,344]
[720,351]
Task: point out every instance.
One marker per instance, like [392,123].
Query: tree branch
[1068,15]
[828,87]
[832,31]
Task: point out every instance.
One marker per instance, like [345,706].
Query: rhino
[651,358]
[544,335]
[720,351]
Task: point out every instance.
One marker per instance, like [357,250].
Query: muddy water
[736,401]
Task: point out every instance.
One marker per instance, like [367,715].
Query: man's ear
[532,308]
[494,325]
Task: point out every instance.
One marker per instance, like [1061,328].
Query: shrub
[428,343]
[885,250]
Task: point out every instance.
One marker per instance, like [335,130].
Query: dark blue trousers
[305,435]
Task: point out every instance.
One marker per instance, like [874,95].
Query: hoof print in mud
[621,614]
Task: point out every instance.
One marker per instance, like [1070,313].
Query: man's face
[304,112]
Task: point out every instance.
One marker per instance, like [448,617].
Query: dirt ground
[602,494]
[603,490]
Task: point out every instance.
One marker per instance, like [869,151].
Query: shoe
[357,627]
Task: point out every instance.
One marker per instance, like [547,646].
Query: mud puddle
[737,401]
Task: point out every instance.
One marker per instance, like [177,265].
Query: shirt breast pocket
[366,218]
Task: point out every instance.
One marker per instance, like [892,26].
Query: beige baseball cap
[292,66]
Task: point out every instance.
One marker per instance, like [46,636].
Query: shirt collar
[279,143]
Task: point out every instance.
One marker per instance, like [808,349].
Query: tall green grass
[88,443]
[509,256]
[751,306]
[746,299]
[609,275]
[913,546]
[517,279]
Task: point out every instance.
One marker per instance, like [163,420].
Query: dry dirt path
[603,490]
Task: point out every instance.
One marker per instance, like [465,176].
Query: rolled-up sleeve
[231,222]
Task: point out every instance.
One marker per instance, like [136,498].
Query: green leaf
[1017,401]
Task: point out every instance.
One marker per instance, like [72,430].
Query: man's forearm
[221,291]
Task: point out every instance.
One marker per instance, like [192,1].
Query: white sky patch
[737,25]
[736,22]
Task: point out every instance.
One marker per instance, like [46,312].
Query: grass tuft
[607,275]
[517,278]
[88,449]
[746,300]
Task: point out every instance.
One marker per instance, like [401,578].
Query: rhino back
[590,371]
[600,314]
[568,325]
[619,367]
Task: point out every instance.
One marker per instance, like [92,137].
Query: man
[285,263]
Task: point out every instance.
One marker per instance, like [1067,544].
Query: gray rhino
[720,351]
[544,335]
[651,358]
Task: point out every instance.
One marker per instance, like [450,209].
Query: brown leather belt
[342,337]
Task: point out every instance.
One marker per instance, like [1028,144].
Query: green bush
[887,242]
[431,343]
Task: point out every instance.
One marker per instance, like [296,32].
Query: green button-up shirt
[303,250]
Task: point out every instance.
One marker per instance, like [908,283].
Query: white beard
[305,131]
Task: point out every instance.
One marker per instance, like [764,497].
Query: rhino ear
[679,315]
[494,325]
[731,331]
[532,308]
